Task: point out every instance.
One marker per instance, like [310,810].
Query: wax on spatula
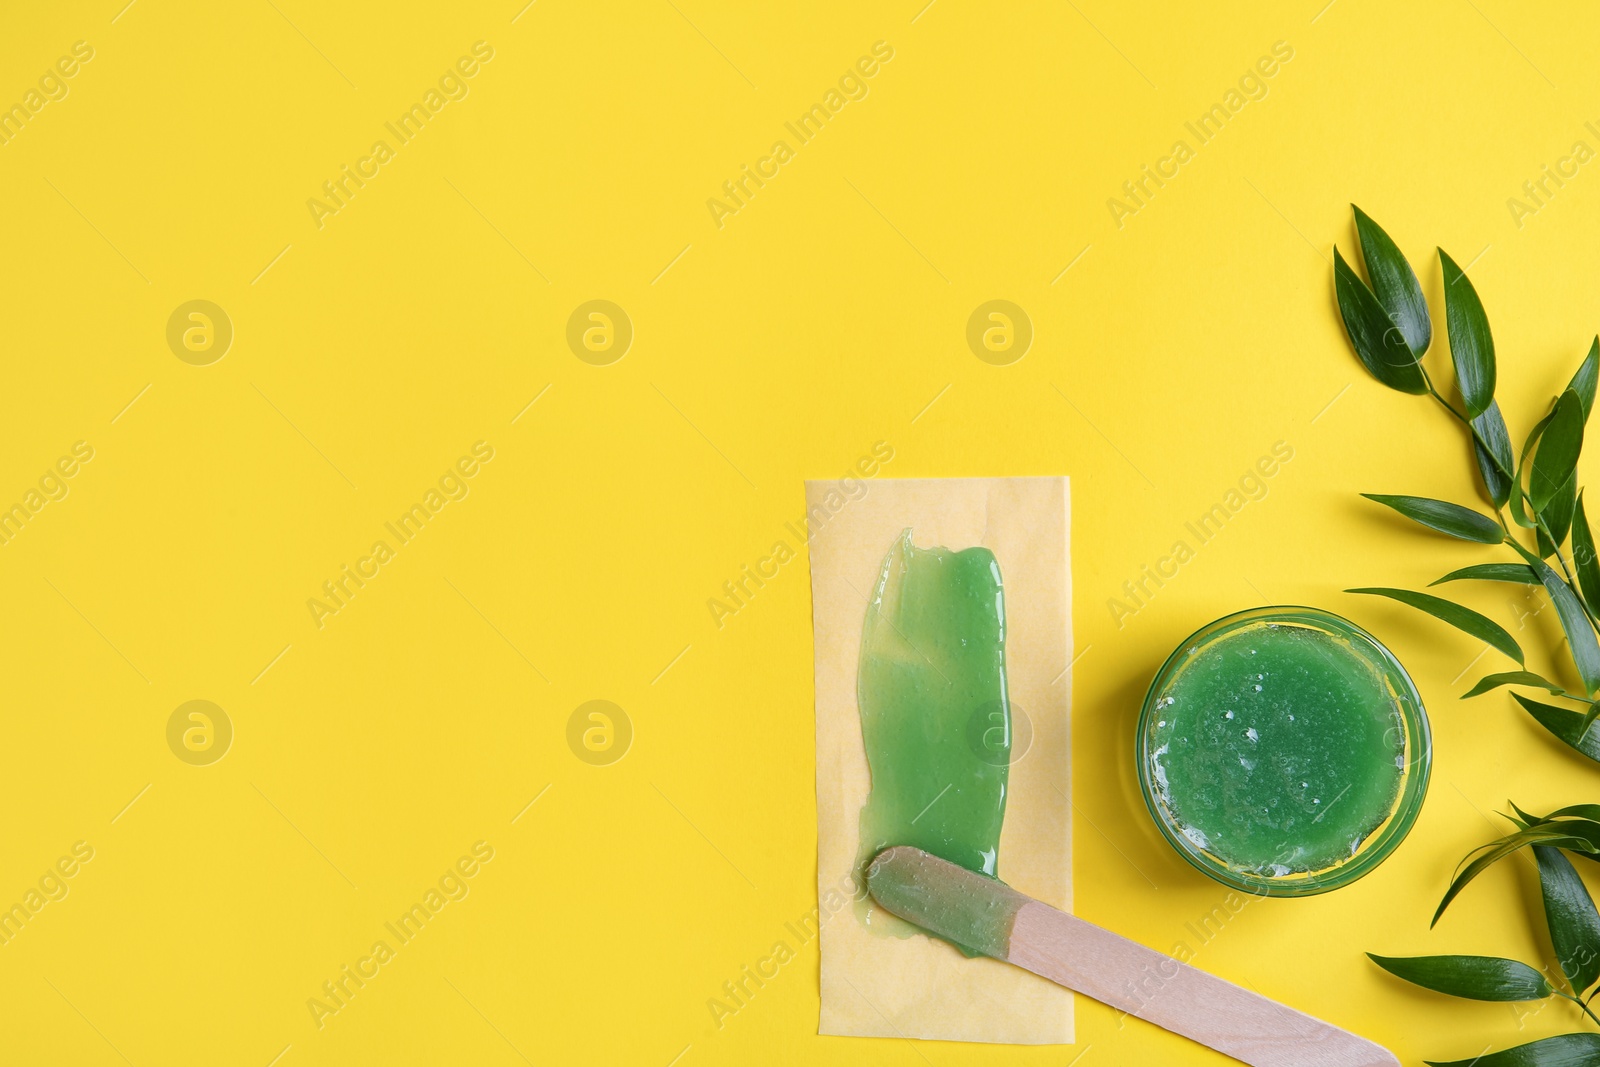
[988,917]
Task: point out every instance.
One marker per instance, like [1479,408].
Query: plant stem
[1562,560]
[1579,1003]
[1572,583]
[1472,429]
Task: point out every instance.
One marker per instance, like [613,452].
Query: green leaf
[1447,518]
[1583,555]
[1567,821]
[1479,626]
[1586,830]
[1558,513]
[1566,1050]
[1498,469]
[1574,620]
[1395,284]
[1586,811]
[1378,342]
[1517,513]
[1472,977]
[1495,851]
[1583,382]
[1580,635]
[1522,817]
[1471,346]
[1574,820]
[1495,681]
[1520,573]
[1558,451]
[1564,724]
[1570,913]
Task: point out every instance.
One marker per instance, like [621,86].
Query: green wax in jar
[935,717]
[1277,748]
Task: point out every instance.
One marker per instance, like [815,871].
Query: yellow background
[823,317]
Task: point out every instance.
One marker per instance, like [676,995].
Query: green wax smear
[1278,748]
[931,687]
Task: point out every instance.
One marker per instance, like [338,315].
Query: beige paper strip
[881,986]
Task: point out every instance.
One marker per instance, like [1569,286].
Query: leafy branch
[1538,515]
[1570,916]
[1536,492]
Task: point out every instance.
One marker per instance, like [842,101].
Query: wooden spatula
[989,917]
